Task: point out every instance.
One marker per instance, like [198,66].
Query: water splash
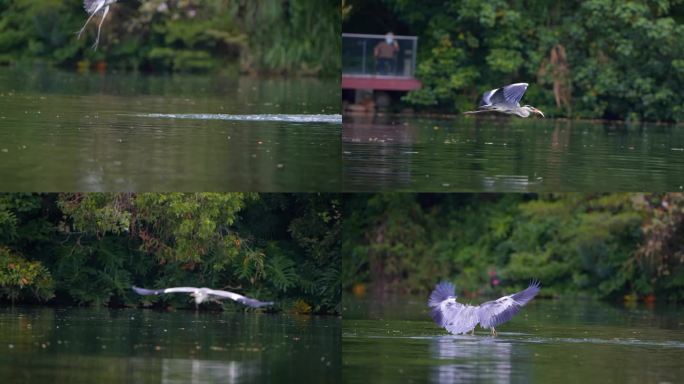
[333,119]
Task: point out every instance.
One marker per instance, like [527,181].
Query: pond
[393,339]
[390,153]
[72,345]
[63,131]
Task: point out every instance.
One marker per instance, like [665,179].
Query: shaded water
[393,339]
[46,345]
[89,132]
[509,155]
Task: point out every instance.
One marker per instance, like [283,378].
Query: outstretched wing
[254,303]
[442,291]
[493,313]
[143,291]
[486,98]
[509,95]
[446,312]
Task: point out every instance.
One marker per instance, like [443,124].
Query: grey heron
[93,7]
[203,294]
[460,318]
[506,100]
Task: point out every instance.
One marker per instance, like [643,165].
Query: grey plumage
[506,100]
[458,318]
[202,294]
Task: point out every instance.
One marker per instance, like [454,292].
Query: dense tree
[89,248]
[604,245]
[593,58]
[270,36]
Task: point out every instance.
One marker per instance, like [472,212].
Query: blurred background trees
[604,245]
[264,37]
[89,248]
[590,59]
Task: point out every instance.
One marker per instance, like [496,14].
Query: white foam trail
[333,119]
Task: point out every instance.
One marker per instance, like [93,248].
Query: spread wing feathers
[143,291]
[181,290]
[455,317]
[460,318]
[442,291]
[510,94]
[493,313]
[486,98]
[239,298]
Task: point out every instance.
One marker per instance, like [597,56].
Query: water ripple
[333,119]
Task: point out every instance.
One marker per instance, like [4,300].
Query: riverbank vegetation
[298,37]
[594,59]
[90,248]
[611,246]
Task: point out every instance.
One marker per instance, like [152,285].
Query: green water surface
[72,345]
[63,131]
[392,339]
[386,153]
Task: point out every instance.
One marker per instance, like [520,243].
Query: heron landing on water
[506,100]
[94,7]
[203,294]
[460,318]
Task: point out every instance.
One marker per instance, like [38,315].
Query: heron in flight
[204,294]
[93,7]
[460,318]
[506,100]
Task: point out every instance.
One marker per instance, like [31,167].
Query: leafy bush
[604,245]
[21,279]
[96,245]
[593,59]
[270,36]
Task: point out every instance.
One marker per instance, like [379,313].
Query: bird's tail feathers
[441,292]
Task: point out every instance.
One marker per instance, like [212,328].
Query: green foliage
[624,59]
[303,247]
[283,248]
[274,36]
[21,279]
[605,245]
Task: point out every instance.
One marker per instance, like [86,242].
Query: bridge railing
[358,56]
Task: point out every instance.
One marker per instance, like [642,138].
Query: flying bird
[203,294]
[460,318]
[506,100]
[93,7]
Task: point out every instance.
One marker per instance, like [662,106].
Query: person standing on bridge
[385,53]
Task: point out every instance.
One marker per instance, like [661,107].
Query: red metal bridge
[362,70]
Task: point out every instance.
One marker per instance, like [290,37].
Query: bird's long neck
[524,111]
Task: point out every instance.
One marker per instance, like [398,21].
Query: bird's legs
[494,332]
[99,27]
[89,18]
[472,332]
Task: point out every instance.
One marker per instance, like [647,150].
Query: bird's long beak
[539,112]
